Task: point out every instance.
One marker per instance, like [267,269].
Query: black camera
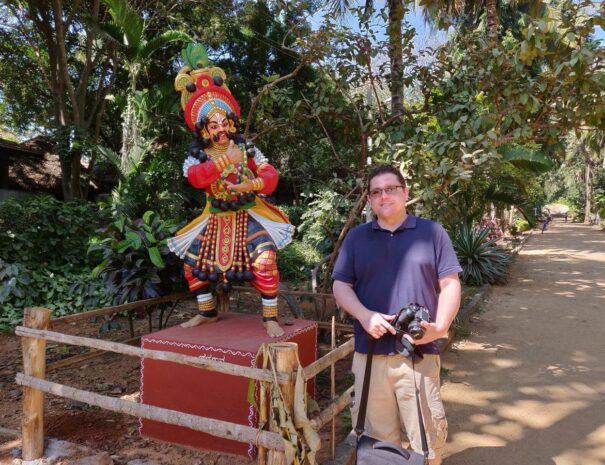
[409,318]
[408,321]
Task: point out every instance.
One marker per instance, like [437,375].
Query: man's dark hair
[377,170]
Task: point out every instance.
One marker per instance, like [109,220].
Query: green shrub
[323,220]
[482,260]
[66,293]
[42,232]
[522,225]
[293,212]
[296,261]
[136,262]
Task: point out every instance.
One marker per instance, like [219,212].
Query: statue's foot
[273,328]
[198,320]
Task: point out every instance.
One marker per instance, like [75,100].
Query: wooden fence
[36,331]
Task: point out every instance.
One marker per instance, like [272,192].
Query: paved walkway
[527,387]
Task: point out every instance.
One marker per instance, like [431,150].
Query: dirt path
[528,385]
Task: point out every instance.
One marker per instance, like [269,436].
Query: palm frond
[110,31]
[159,41]
[523,157]
[128,20]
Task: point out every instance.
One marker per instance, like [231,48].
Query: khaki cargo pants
[392,403]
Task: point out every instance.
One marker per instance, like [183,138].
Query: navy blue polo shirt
[389,270]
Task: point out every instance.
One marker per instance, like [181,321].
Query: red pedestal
[234,338]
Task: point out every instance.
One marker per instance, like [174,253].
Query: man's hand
[431,333]
[241,188]
[234,154]
[377,324]
[447,307]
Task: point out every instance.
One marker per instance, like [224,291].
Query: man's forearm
[347,300]
[448,304]
[374,323]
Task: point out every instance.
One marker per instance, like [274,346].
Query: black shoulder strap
[363,402]
[425,446]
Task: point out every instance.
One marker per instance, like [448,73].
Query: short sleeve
[447,261]
[344,268]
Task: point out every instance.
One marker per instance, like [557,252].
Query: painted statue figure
[237,236]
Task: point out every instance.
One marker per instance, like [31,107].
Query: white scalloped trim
[259,158]
[188,163]
[252,415]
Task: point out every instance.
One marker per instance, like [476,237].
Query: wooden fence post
[285,357]
[34,364]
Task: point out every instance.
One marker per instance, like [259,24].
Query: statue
[237,236]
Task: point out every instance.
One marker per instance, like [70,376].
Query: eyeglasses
[389,190]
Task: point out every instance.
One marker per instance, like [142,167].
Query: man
[383,266]
[237,236]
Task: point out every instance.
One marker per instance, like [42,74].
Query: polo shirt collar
[409,223]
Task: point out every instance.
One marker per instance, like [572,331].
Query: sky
[424,32]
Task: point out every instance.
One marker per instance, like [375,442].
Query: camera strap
[363,402]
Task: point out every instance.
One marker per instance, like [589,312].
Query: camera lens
[415,330]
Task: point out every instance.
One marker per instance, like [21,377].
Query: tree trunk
[588,190]
[492,18]
[396,12]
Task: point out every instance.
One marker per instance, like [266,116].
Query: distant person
[546,222]
[566,217]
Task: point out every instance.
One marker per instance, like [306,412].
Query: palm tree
[467,13]
[127,29]
[590,147]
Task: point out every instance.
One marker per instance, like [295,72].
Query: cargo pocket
[438,437]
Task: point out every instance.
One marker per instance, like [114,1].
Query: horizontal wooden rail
[333,409]
[121,308]
[219,428]
[328,359]
[287,292]
[94,353]
[208,364]
[13,433]
[339,327]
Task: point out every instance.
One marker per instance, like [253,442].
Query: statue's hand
[234,154]
[241,188]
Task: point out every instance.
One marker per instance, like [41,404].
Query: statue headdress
[203,89]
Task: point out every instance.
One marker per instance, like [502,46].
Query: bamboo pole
[120,308]
[332,410]
[285,357]
[34,364]
[219,428]
[208,364]
[334,355]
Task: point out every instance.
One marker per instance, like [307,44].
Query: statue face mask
[218,128]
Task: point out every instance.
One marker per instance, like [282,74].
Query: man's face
[387,196]
[218,128]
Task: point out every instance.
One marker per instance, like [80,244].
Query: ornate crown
[203,89]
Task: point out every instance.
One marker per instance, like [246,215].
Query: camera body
[408,321]
[409,318]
